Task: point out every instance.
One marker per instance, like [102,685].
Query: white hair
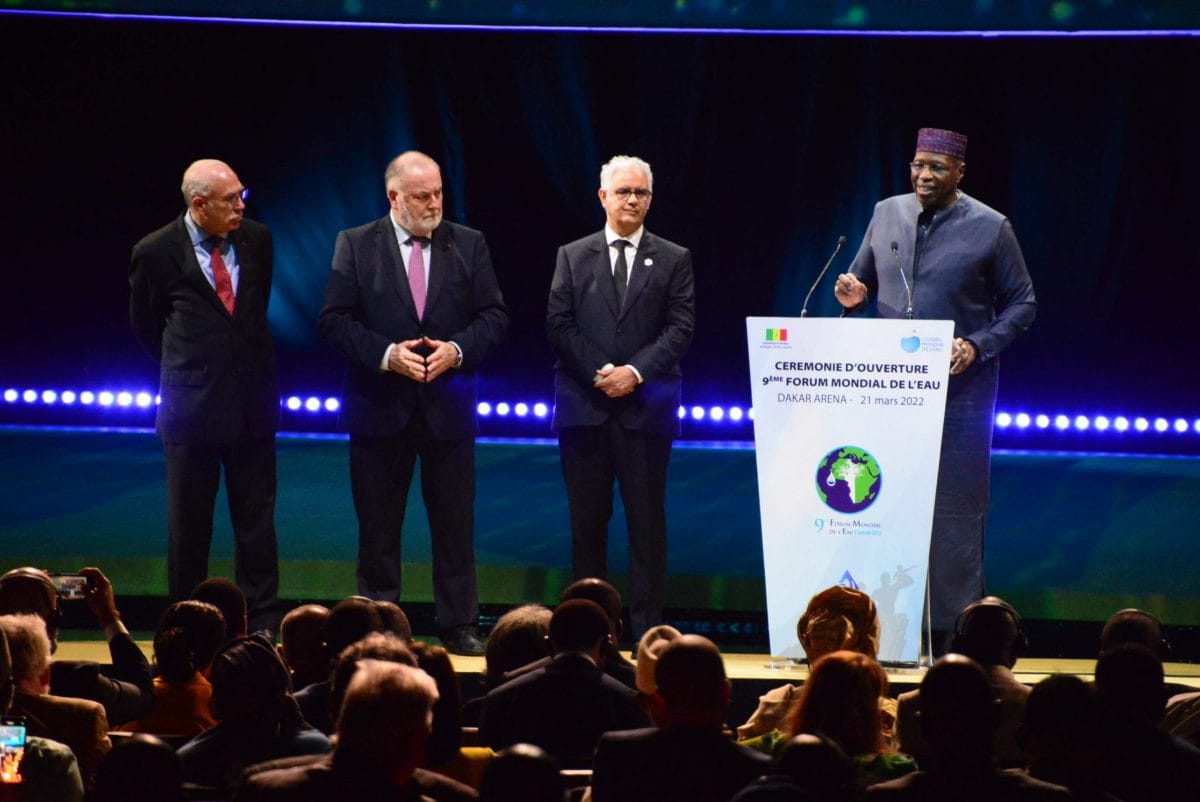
[625,163]
[28,645]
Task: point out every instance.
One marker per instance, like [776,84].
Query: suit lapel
[639,271]
[441,248]
[189,266]
[392,264]
[602,271]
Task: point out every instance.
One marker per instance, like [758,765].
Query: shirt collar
[633,239]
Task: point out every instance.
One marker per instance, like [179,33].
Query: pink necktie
[221,279]
[416,273]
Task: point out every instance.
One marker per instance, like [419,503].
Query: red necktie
[221,279]
[416,273]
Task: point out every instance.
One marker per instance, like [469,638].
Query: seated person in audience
[140,768]
[188,637]
[226,596]
[386,647]
[49,770]
[841,701]
[991,633]
[126,687]
[78,723]
[301,645]
[522,773]
[395,620]
[686,756]
[1139,762]
[808,768]
[520,637]
[1060,734]
[650,648]
[958,716]
[444,750]
[385,718]
[837,618]
[565,705]
[348,621]
[257,717]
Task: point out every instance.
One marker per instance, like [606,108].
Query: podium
[848,419]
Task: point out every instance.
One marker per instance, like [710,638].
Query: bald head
[214,196]
[414,191]
[691,680]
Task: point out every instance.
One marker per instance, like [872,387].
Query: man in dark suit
[620,317]
[413,303]
[199,288]
[687,756]
[567,704]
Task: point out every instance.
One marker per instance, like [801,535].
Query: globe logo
[848,479]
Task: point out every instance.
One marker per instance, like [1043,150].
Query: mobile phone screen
[12,749]
[70,586]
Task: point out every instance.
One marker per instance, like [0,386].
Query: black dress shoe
[463,640]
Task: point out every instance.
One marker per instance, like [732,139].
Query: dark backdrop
[765,149]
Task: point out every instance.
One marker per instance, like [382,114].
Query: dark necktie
[221,280]
[416,273]
[620,271]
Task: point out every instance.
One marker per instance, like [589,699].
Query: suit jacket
[651,331]
[1006,749]
[217,376]
[673,763]
[78,723]
[326,778]
[368,306]
[126,689]
[563,707]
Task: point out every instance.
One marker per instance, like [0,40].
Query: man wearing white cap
[939,254]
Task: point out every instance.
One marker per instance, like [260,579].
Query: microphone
[821,275]
[904,278]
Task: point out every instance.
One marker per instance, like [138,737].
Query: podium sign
[848,429]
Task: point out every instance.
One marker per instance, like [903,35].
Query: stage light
[697,413]
[124,398]
[87,397]
[1042,421]
[751,413]
[1022,420]
[332,405]
[716,413]
[11,396]
[29,396]
[484,408]
[1062,422]
[682,413]
[522,409]
[1121,423]
[313,404]
[293,403]
[1196,425]
[49,396]
[540,409]
[1161,425]
[1101,423]
[1082,423]
[68,396]
[143,399]
[1141,424]
[105,398]
[157,399]
[1003,420]
[1181,425]
[735,414]
[502,408]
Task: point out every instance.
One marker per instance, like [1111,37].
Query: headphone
[962,623]
[1164,647]
[53,612]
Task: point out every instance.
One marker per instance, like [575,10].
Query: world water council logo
[848,479]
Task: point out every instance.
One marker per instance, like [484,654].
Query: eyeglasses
[233,197]
[934,167]
[624,192]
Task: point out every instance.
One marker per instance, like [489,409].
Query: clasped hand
[405,360]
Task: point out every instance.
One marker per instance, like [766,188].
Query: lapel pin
[648,261]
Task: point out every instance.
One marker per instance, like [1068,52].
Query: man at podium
[939,254]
